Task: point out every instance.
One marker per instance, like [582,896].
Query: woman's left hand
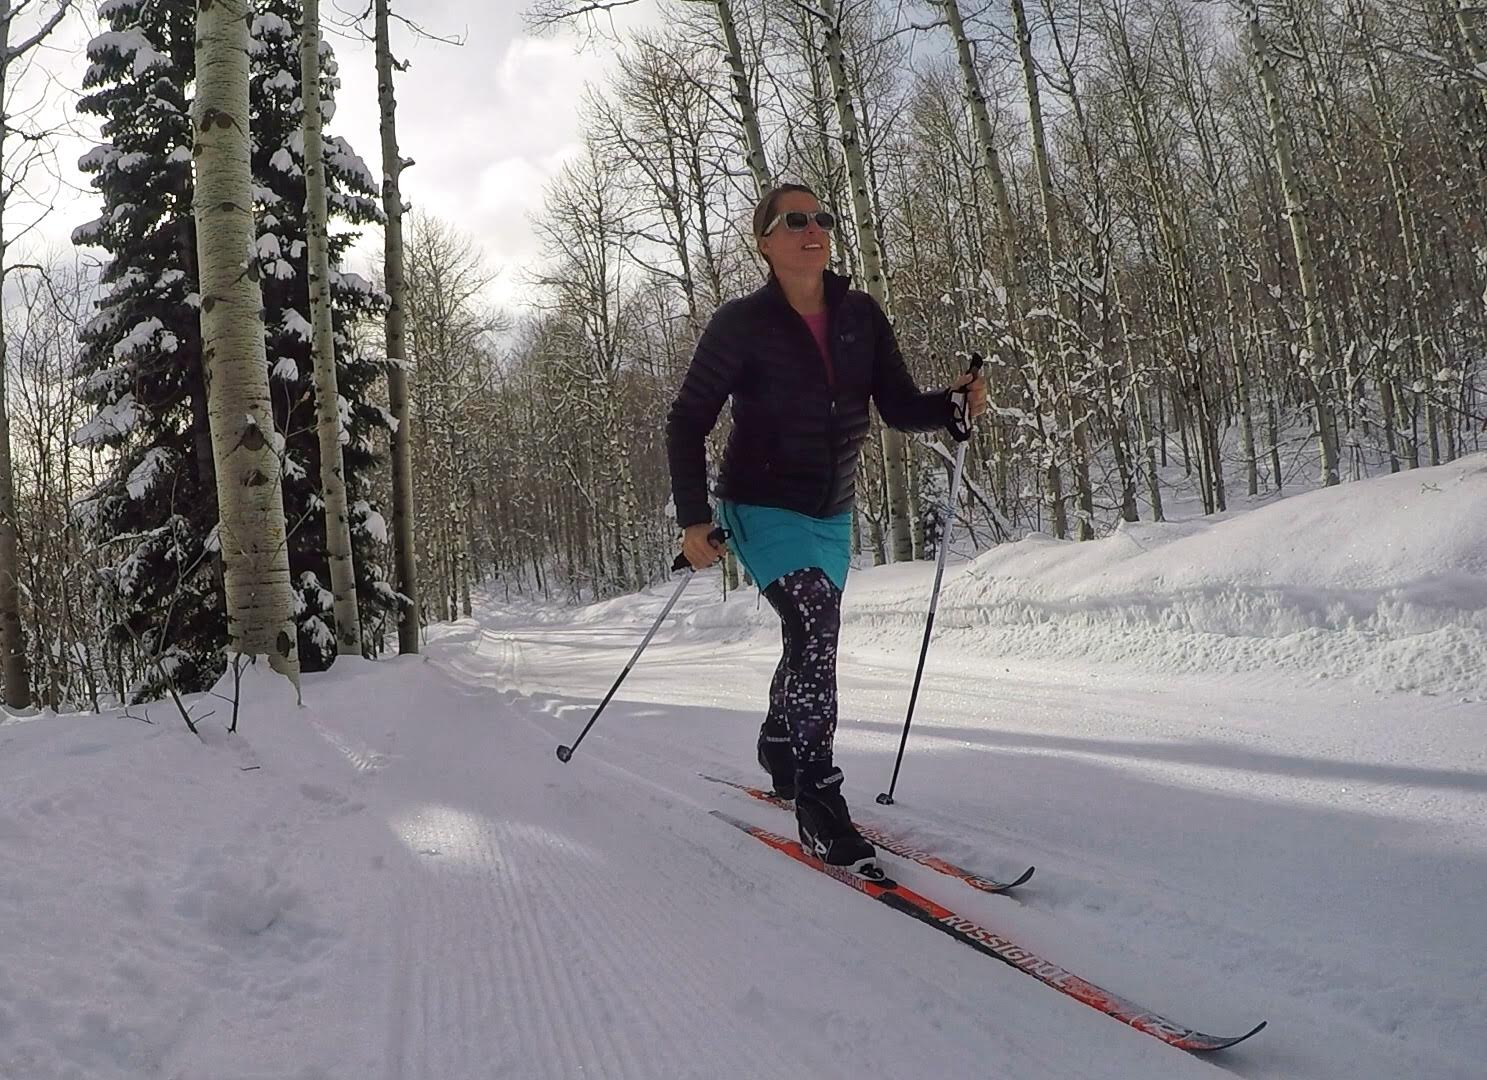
[974,387]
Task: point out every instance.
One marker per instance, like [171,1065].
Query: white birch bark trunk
[900,513]
[1316,341]
[17,672]
[323,346]
[1012,266]
[12,630]
[1073,415]
[405,559]
[245,445]
[743,96]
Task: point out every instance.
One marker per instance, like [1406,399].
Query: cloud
[487,123]
[526,54]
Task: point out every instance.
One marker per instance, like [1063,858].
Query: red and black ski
[890,843]
[993,944]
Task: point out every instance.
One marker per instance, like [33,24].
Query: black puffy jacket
[797,428]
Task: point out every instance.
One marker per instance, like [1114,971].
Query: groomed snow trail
[1224,850]
[598,924]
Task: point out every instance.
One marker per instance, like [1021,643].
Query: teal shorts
[771,542]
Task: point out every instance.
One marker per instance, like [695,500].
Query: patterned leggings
[802,695]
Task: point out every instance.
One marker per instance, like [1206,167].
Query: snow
[316,629]
[398,878]
[143,476]
[372,521]
[282,80]
[150,332]
[98,158]
[112,421]
[297,325]
[284,162]
[311,585]
[354,283]
[264,28]
[347,161]
[108,377]
[1343,582]
[88,233]
[271,257]
[131,278]
[131,45]
[269,25]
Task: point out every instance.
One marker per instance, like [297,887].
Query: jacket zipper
[828,364]
[830,360]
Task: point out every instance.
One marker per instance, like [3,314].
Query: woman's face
[796,254]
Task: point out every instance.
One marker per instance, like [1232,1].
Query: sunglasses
[797,220]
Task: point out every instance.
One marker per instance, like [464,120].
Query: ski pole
[716,537]
[962,436]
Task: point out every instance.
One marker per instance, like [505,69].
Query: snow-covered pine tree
[140,358]
[352,193]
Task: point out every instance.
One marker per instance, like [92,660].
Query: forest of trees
[1211,250]
[1239,244]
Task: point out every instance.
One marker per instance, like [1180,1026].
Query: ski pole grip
[960,428]
[716,538]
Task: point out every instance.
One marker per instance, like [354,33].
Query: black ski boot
[777,758]
[826,829]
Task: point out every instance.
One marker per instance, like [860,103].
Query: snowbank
[1383,581]
[168,900]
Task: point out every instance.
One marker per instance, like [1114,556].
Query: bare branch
[63,6]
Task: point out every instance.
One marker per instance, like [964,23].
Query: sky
[487,123]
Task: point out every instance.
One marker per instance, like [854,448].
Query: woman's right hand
[699,550]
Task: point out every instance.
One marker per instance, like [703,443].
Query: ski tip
[1204,1044]
[1023,879]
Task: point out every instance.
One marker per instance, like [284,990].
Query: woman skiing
[800,357]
